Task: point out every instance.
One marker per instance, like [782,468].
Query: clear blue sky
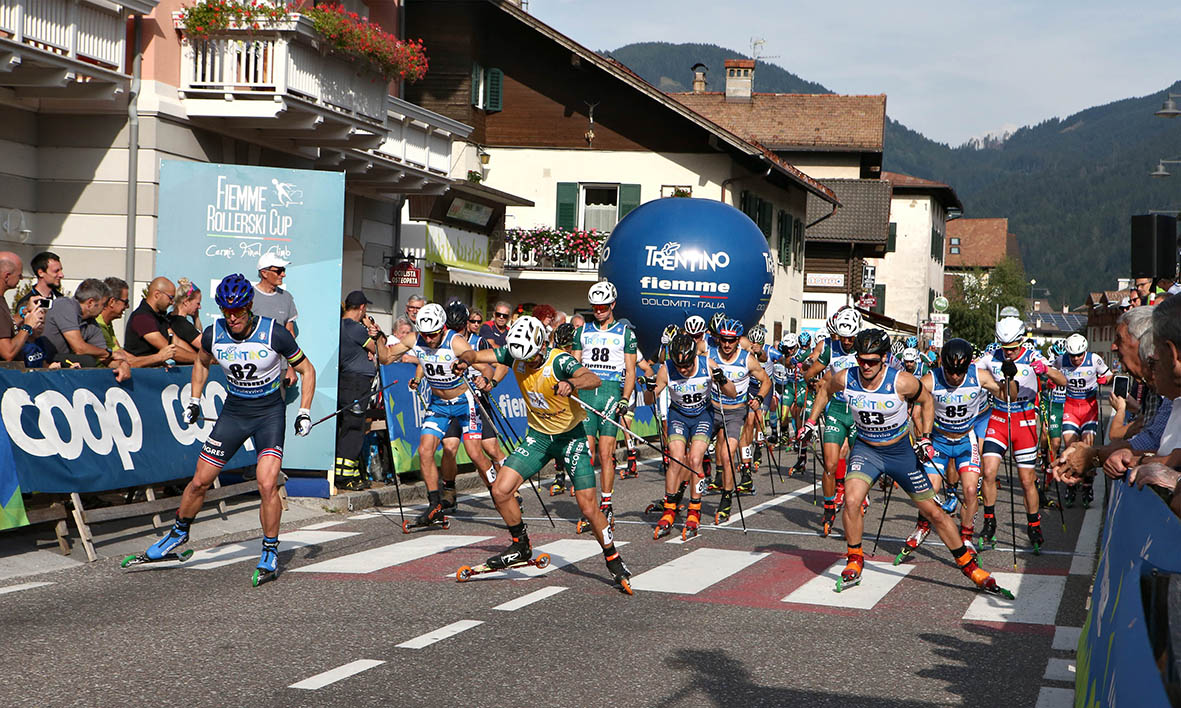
[951,70]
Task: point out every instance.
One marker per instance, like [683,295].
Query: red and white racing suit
[1018,415]
[1080,412]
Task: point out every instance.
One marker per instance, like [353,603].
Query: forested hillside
[1068,186]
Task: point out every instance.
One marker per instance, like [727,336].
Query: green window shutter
[629,198]
[797,229]
[892,239]
[766,216]
[567,214]
[477,72]
[879,292]
[785,246]
[744,202]
[493,90]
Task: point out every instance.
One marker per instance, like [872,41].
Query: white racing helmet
[1008,331]
[1076,344]
[789,340]
[910,354]
[431,318]
[602,293]
[695,325]
[847,323]
[525,339]
[757,335]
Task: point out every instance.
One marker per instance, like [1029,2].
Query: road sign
[867,302]
[940,304]
[941,318]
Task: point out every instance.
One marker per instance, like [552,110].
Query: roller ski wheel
[467,572]
[556,488]
[987,540]
[851,575]
[689,532]
[995,589]
[662,530]
[143,558]
[1035,538]
[582,525]
[914,540]
[410,526]
[261,576]
[799,466]
[903,555]
[721,517]
[620,575]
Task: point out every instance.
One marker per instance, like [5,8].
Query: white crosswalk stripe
[230,553]
[877,580]
[696,571]
[562,553]
[1036,602]
[376,559]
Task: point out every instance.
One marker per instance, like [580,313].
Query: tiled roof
[863,217]
[984,243]
[783,121]
[906,183]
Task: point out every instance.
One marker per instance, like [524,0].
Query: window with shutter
[879,292]
[477,87]
[892,239]
[567,212]
[629,198]
[493,90]
[766,215]
[784,232]
[797,237]
[744,202]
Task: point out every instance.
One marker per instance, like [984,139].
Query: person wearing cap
[359,337]
[271,300]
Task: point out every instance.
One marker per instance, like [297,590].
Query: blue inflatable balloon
[676,257]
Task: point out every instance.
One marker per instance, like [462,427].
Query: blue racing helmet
[990,348]
[912,342]
[805,340]
[730,328]
[234,291]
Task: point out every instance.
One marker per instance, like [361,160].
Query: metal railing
[76,29]
[518,257]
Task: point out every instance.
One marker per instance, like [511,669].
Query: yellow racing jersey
[547,412]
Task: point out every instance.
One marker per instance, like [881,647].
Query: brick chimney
[699,70]
[740,77]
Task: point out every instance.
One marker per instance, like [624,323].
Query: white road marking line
[1036,602]
[878,578]
[22,586]
[376,559]
[563,552]
[218,556]
[1053,697]
[1088,535]
[526,600]
[332,676]
[1060,670]
[696,571]
[439,634]
[359,517]
[322,525]
[1066,638]
[747,513]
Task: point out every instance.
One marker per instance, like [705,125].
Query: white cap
[270,260]
[1175,288]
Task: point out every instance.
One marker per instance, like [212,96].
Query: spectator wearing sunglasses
[147,337]
[413,304]
[114,310]
[496,329]
[271,300]
[475,318]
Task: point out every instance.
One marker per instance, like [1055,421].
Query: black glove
[807,430]
[193,412]
[719,377]
[648,382]
[303,422]
[1008,369]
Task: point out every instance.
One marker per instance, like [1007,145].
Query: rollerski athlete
[1084,373]
[740,367]
[547,378]
[878,398]
[249,350]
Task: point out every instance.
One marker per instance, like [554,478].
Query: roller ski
[828,521]
[665,526]
[988,534]
[1036,539]
[585,525]
[658,504]
[163,549]
[558,486]
[715,484]
[519,554]
[851,575]
[620,575]
[723,512]
[746,485]
[268,563]
[630,470]
[980,577]
[801,463]
[914,540]
[431,518]
[447,499]
[692,521]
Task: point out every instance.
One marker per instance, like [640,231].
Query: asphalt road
[729,618]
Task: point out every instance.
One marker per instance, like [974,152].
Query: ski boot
[851,575]
[715,484]
[980,577]
[801,462]
[723,511]
[1043,497]
[431,518]
[559,484]
[839,500]
[746,485]
[165,548]
[268,562]
[658,504]
[966,539]
[988,533]
[914,540]
[1088,495]
[517,555]
[630,470]
[619,573]
[1036,539]
[447,499]
[829,520]
[692,520]
[1071,495]
[665,526]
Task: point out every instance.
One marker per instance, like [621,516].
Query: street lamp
[1160,170]
[1169,108]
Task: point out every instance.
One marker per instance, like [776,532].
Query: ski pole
[889,493]
[729,457]
[335,413]
[770,454]
[627,432]
[1057,487]
[482,401]
[1009,468]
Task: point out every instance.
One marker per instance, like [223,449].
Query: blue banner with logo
[1116,665]
[80,431]
[405,411]
[220,219]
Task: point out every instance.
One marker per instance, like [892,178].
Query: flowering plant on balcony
[346,32]
[558,243]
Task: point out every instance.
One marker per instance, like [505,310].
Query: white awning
[477,278]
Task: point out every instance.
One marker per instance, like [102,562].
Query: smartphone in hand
[1121,386]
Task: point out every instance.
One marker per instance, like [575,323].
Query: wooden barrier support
[54,512]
